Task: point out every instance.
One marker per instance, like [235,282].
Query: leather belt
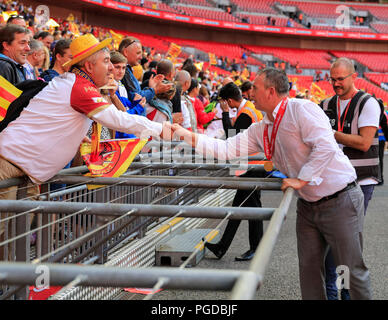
[334,195]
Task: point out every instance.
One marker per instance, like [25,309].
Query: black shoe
[246,256]
[216,249]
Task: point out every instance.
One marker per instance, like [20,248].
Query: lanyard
[341,123]
[269,146]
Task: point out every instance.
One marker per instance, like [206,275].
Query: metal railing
[76,224]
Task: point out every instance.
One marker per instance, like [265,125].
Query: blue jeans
[330,273]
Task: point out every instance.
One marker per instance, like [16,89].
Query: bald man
[356,133]
[183,81]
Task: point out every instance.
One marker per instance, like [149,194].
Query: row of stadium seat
[309,9]
[308,59]
[261,6]
[375,61]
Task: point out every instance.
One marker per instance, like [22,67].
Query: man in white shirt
[297,136]
[354,117]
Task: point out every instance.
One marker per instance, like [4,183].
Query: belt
[334,195]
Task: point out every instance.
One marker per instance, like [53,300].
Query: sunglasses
[14,16]
[132,42]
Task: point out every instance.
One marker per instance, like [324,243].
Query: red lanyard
[341,124]
[269,146]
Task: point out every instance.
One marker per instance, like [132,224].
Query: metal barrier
[78,225]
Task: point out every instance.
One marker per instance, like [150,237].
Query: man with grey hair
[296,135]
[35,59]
[354,116]
[14,47]
[48,132]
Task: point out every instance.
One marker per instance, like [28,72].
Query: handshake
[176,132]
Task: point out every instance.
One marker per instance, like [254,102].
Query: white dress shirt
[305,148]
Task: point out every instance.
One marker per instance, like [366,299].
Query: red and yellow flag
[109,158]
[212,59]
[174,50]
[8,93]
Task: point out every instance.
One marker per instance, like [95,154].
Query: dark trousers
[330,267]
[255,226]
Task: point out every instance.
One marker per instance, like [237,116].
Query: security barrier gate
[112,230]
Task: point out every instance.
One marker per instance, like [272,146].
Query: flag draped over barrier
[8,93]
[109,158]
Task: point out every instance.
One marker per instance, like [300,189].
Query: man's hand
[112,84]
[293,183]
[167,131]
[137,97]
[154,80]
[181,133]
[86,139]
[224,105]
[177,117]
[162,87]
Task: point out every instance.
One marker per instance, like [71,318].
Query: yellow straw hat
[84,46]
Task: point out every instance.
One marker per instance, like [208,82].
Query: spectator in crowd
[131,49]
[14,49]
[356,133]
[204,95]
[318,170]
[16,19]
[201,116]
[149,72]
[159,109]
[215,129]
[183,80]
[67,105]
[46,38]
[61,55]
[137,106]
[166,68]
[231,97]
[35,59]
[246,90]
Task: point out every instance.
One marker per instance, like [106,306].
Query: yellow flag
[212,59]
[174,50]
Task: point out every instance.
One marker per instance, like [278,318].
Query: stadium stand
[377,78]
[309,59]
[377,62]
[215,14]
[380,27]
[280,21]
[314,9]
[261,6]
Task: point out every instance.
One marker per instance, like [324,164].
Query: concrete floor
[281,280]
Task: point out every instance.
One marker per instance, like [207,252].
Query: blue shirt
[133,86]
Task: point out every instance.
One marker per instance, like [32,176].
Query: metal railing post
[246,286]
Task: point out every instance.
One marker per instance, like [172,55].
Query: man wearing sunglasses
[354,116]
[131,48]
